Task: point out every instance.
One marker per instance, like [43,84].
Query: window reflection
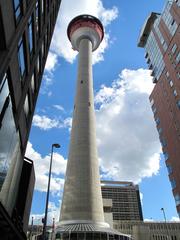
[37,18]
[30,34]
[17,9]
[8,133]
[21,57]
[155,55]
[26,105]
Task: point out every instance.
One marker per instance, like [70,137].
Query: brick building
[160,37]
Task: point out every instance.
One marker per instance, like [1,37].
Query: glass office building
[26,28]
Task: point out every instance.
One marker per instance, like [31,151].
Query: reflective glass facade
[24,24]
[30,34]
[155,56]
[168,19]
[8,133]
[21,57]
[161,38]
[17,9]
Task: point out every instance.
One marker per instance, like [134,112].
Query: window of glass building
[155,55]
[42,6]
[154,109]
[173,183]
[174,47]
[37,18]
[151,102]
[161,38]
[8,134]
[178,75]
[177,199]
[178,103]
[38,65]
[17,9]
[4,92]
[30,34]
[159,130]
[163,142]
[171,83]
[175,92]
[168,19]
[42,49]
[32,83]
[166,155]
[157,120]
[178,58]
[21,57]
[26,105]
[169,169]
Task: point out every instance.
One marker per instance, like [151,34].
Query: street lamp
[162,209]
[56,145]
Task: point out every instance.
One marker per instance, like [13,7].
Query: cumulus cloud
[53,212]
[60,43]
[41,165]
[51,61]
[127,139]
[45,123]
[175,219]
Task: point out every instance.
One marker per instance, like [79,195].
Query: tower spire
[82,200]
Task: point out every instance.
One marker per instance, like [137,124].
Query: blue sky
[127,139]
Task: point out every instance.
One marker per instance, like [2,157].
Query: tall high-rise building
[160,36]
[126,204]
[26,29]
[82,214]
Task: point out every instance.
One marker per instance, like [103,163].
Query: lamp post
[162,209]
[56,145]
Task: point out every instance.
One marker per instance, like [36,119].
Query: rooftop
[146,29]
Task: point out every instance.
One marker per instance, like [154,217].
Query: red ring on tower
[85,21]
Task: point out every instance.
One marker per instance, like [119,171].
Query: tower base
[88,231]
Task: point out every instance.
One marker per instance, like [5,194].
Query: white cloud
[175,219]
[51,62]
[127,139]
[41,165]
[53,212]
[46,123]
[59,107]
[60,43]
[149,220]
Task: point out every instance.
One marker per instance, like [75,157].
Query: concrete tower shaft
[82,199]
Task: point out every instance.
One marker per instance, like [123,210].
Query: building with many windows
[160,37]
[149,230]
[122,200]
[122,210]
[26,28]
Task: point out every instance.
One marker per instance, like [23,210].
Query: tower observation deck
[82,214]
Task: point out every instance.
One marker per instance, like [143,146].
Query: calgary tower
[82,214]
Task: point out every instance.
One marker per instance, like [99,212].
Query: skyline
[121,81]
